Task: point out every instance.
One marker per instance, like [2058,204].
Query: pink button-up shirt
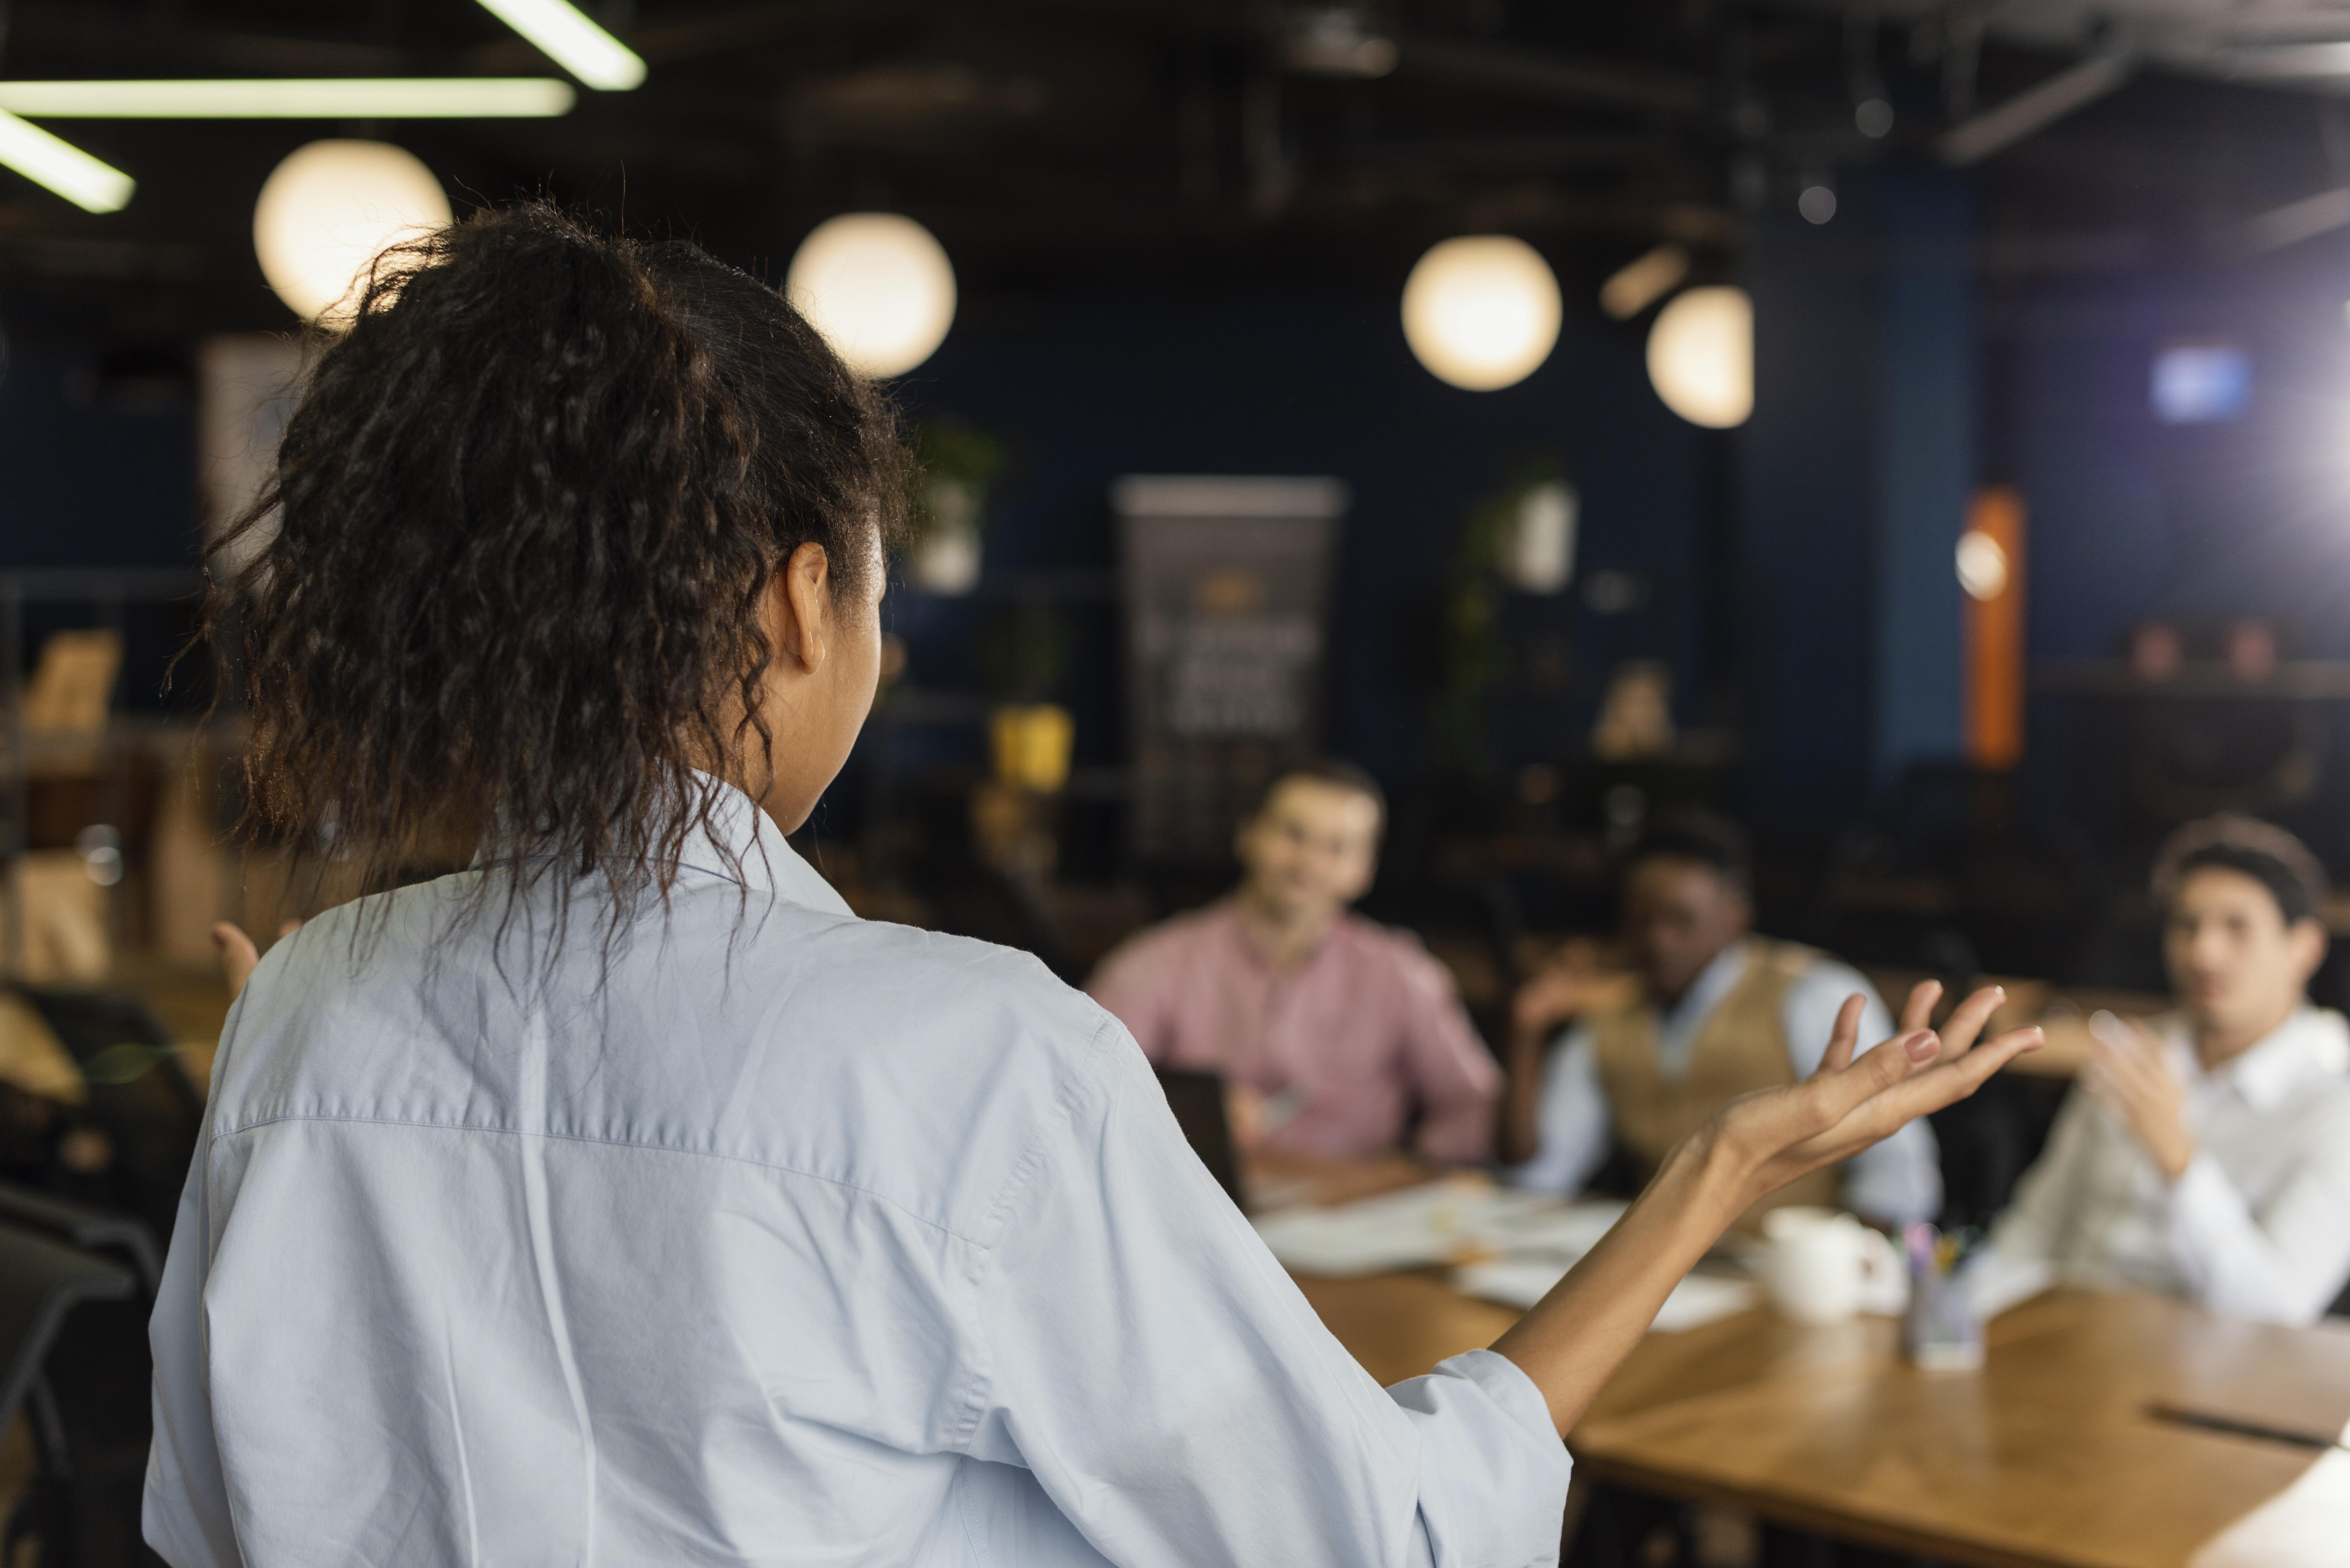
[1367,1030]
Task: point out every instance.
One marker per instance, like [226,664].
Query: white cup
[1822,1267]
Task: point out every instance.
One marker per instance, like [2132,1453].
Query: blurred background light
[1335,40]
[1982,564]
[1873,118]
[329,210]
[1538,552]
[2201,383]
[329,97]
[879,286]
[1818,203]
[1640,283]
[1702,357]
[57,165]
[567,36]
[1481,312]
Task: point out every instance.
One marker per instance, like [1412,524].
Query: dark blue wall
[1856,468]
[90,475]
[1089,387]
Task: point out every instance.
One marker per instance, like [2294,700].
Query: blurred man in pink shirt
[1334,1035]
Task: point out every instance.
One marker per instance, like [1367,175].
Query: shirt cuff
[2205,1207]
[1493,1473]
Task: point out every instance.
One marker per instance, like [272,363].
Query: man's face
[2235,965]
[1312,850]
[1679,915]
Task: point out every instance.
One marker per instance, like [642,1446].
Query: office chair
[64,1338]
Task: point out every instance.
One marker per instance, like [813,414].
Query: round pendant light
[879,286]
[328,211]
[1481,312]
[1702,357]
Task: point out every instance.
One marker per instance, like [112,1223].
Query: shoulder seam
[944,1229]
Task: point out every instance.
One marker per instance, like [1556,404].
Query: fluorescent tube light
[572,41]
[87,184]
[354,98]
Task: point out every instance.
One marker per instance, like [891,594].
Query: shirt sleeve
[1136,983]
[1177,1399]
[1900,1179]
[1453,1076]
[1573,1122]
[2280,1263]
[2050,1194]
[185,1512]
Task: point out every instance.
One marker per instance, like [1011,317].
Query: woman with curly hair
[626,1198]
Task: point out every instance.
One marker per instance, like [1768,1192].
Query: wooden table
[2050,1456]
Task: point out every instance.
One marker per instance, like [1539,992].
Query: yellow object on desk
[1030,742]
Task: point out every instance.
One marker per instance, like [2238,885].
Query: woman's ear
[798,607]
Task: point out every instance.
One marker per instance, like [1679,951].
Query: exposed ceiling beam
[2034,109]
[1560,78]
[2288,225]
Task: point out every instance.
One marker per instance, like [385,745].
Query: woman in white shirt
[626,1198]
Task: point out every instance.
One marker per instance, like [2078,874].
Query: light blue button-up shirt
[792,1238]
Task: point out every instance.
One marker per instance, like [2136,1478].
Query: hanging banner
[1226,585]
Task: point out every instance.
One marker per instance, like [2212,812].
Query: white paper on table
[1565,1231]
[2307,1525]
[1697,1300]
[1406,1230]
[1439,1222]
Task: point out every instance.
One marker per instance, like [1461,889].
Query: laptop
[1198,1101]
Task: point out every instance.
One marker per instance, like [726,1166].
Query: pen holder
[1939,1332]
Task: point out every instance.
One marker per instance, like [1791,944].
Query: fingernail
[1922,1047]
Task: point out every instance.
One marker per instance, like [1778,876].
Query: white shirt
[2259,1225]
[1897,1180]
[806,1240]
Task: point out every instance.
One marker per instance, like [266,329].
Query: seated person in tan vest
[1717,1012]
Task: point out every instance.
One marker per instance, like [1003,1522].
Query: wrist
[2177,1159]
[1709,1176]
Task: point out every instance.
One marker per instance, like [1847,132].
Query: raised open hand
[2126,1070]
[1778,1134]
[238,955]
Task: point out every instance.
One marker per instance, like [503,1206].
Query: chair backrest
[41,1282]
[140,1095]
[93,1229]
[1198,1101]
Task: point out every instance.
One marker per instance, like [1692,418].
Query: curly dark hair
[501,589]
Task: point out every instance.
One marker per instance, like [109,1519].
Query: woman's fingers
[1960,1030]
[1847,1035]
[1839,1094]
[1918,1012]
[237,954]
[1901,1098]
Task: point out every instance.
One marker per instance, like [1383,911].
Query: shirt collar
[1712,982]
[741,843]
[2314,1041]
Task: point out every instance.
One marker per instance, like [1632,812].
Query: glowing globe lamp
[1702,357]
[1481,312]
[329,210]
[879,286]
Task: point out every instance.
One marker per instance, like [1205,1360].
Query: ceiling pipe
[2035,108]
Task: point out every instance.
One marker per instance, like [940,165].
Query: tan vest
[1740,1047]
